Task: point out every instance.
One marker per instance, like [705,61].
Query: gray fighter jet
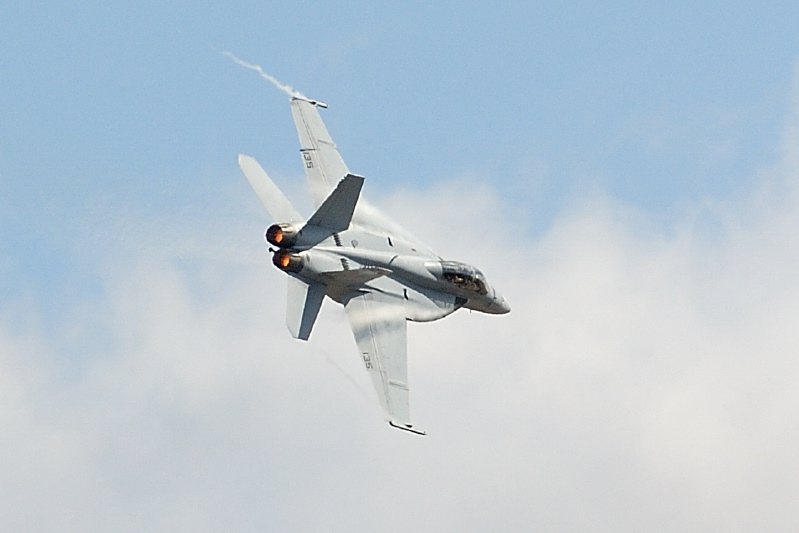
[360,259]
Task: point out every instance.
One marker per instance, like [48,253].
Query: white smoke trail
[363,393]
[268,77]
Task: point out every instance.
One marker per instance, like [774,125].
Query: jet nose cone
[504,306]
[500,305]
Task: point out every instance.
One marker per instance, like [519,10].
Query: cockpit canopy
[464,276]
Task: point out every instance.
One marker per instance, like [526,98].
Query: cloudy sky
[627,176]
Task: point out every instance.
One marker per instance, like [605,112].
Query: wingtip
[407,427]
[311,101]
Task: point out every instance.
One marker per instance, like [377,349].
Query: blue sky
[631,93]
[655,105]
[633,167]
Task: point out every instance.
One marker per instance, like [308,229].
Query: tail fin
[302,307]
[336,211]
[275,202]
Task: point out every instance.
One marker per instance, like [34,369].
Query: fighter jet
[381,275]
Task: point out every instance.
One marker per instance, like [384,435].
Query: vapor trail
[268,77]
[364,394]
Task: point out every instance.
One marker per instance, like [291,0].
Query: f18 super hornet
[349,253]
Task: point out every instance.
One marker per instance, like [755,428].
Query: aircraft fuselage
[337,260]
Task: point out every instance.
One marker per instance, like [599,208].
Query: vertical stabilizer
[336,211]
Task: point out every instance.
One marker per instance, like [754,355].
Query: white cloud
[645,380]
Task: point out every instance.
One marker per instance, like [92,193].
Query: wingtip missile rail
[311,101]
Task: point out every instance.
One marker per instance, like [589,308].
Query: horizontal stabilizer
[302,307]
[336,211]
[275,202]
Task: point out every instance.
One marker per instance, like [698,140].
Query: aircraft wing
[323,164]
[379,327]
[325,168]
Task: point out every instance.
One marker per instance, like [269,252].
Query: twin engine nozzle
[284,236]
[287,261]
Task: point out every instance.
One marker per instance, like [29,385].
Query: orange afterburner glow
[275,235]
[287,261]
[282,235]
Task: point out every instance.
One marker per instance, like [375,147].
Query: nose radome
[500,305]
[504,305]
